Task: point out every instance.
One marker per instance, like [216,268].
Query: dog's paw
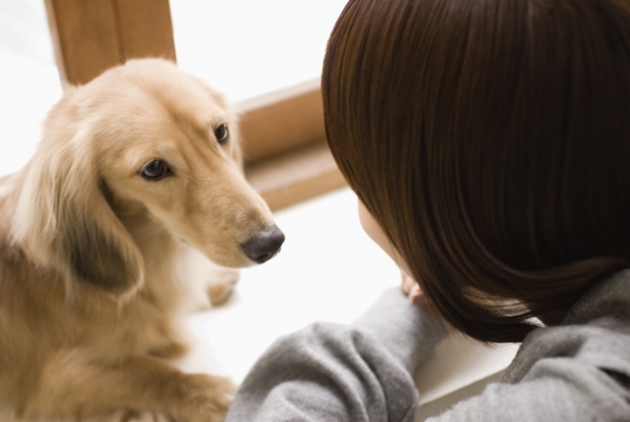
[221,285]
[201,397]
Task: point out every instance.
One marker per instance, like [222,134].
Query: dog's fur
[89,298]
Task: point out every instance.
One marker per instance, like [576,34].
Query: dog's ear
[65,221]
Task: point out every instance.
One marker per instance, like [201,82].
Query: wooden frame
[286,157]
[91,36]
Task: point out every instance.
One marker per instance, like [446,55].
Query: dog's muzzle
[262,247]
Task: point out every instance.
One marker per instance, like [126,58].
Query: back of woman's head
[491,140]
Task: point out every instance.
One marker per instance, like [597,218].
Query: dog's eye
[156,170]
[222,134]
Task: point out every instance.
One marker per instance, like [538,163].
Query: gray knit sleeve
[334,372]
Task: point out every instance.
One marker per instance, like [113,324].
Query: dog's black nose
[263,247]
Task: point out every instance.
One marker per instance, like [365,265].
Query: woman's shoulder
[595,333]
[578,371]
[606,302]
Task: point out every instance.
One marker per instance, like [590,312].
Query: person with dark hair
[488,142]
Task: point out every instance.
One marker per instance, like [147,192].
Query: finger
[416,295]
[406,282]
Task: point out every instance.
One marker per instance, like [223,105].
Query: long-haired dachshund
[132,168]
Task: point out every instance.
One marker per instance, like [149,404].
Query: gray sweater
[579,371]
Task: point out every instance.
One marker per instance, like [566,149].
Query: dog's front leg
[221,282]
[211,283]
[72,385]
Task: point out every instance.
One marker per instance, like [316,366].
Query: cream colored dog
[132,167]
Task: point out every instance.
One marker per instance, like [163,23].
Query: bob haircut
[491,141]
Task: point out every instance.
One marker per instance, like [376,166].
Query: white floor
[328,268]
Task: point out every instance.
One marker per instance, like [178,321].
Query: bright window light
[248,47]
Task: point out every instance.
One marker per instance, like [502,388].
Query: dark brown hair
[491,141]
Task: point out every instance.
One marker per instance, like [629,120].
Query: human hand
[411,288]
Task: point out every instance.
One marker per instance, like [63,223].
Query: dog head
[145,147]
